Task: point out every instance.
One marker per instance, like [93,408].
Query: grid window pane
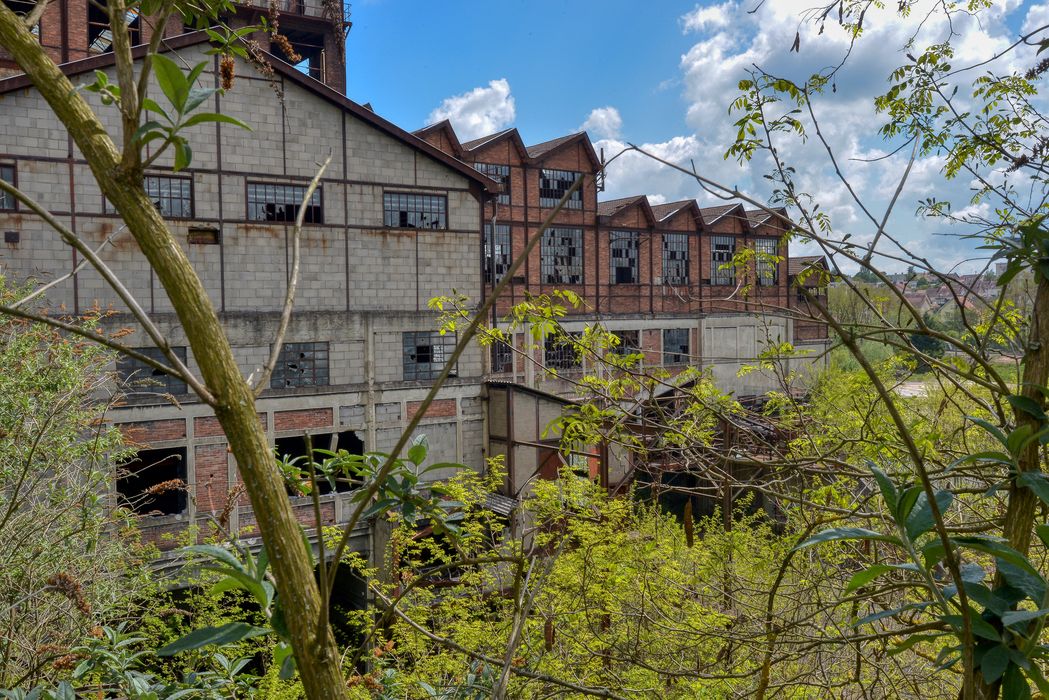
[425,353]
[560,354]
[172,196]
[497,258]
[7,174]
[562,256]
[146,379]
[301,364]
[502,357]
[552,187]
[675,258]
[722,250]
[402,210]
[675,346]
[629,344]
[270,202]
[624,257]
[768,270]
[499,173]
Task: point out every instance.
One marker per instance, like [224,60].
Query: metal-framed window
[623,247]
[100,34]
[675,258]
[149,379]
[675,346]
[502,357]
[559,352]
[629,342]
[403,210]
[172,196]
[7,201]
[561,256]
[767,267]
[496,252]
[499,173]
[301,364]
[552,186]
[273,202]
[425,353]
[722,250]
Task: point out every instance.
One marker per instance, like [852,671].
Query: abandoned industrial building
[399,218]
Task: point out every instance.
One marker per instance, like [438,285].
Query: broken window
[301,364]
[425,353]
[552,187]
[310,49]
[628,343]
[269,202]
[624,245]
[560,353]
[499,173]
[172,196]
[562,256]
[7,201]
[99,33]
[722,250]
[401,210]
[496,252]
[675,346]
[767,269]
[675,258]
[22,8]
[154,482]
[139,375]
[502,357]
[293,450]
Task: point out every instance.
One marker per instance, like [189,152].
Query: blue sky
[661,75]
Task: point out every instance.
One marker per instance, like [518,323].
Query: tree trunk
[315,650]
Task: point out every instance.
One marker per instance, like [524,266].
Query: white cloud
[708,17]
[479,112]
[603,123]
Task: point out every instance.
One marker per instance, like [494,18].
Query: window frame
[321,353]
[559,352]
[626,345]
[502,357]
[629,241]
[128,367]
[677,357]
[497,264]
[500,177]
[763,266]
[550,270]
[435,365]
[386,210]
[4,196]
[718,277]
[548,201]
[172,178]
[677,248]
[297,203]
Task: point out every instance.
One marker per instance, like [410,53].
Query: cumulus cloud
[707,17]
[479,112]
[603,123]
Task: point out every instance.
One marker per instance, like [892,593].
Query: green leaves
[208,636]
[847,533]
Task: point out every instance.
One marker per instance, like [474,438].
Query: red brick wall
[212,472]
[147,432]
[208,426]
[302,419]
[441,408]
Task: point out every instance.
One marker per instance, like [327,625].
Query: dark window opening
[7,201]
[301,364]
[401,210]
[722,250]
[154,482]
[496,252]
[767,269]
[675,346]
[268,202]
[559,353]
[561,256]
[172,196]
[502,357]
[675,258]
[349,596]
[293,450]
[99,33]
[138,375]
[552,187]
[22,8]
[629,344]
[499,173]
[624,245]
[310,50]
[425,354]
